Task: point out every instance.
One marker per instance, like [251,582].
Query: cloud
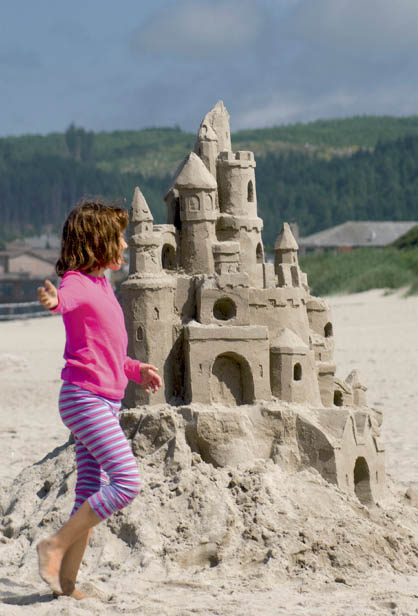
[357,26]
[201,28]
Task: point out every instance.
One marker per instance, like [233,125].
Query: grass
[330,273]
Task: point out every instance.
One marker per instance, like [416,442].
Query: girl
[95,375]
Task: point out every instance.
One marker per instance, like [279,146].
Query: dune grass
[330,273]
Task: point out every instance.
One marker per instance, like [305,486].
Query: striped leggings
[107,474]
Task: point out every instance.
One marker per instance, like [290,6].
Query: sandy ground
[374,333]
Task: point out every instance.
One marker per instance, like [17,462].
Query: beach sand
[374,333]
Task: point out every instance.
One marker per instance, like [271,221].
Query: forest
[318,174]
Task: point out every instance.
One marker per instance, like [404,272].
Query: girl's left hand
[150,379]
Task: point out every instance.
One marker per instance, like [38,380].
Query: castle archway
[231,381]
[362,481]
[328,330]
[168,257]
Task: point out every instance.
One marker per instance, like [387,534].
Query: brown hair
[91,236]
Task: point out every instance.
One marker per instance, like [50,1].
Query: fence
[22,310]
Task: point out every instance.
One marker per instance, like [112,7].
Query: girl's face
[123,246]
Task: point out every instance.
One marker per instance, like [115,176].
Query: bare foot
[50,557]
[78,594]
[75,594]
[69,589]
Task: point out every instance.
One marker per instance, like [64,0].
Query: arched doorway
[231,382]
[362,481]
[328,330]
[168,257]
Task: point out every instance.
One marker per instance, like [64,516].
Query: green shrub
[360,270]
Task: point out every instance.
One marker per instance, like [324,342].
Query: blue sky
[107,65]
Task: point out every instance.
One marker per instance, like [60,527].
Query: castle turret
[198,197]
[143,247]
[148,301]
[238,206]
[286,264]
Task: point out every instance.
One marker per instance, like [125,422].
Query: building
[355,234]
[23,269]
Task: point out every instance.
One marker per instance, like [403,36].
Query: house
[355,234]
[23,269]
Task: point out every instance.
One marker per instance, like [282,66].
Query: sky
[131,64]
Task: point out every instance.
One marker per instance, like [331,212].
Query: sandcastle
[245,352]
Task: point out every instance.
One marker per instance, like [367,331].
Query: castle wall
[246,347]
[280,307]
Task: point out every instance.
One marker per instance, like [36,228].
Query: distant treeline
[358,169]
[38,193]
[369,185]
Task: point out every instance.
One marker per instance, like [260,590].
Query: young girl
[95,375]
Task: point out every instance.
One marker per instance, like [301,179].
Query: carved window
[328,330]
[209,203]
[224,309]
[194,204]
[250,191]
[259,253]
[297,372]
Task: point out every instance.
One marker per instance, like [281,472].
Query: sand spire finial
[285,239]
[217,119]
[140,211]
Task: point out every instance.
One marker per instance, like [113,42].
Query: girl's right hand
[48,295]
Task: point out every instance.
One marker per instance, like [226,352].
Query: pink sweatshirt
[95,350]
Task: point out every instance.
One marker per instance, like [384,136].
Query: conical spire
[285,239]
[194,174]
[140,211]
[218,120]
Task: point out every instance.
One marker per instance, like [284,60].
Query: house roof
[357,233]
[46,254]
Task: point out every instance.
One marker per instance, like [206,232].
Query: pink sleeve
[132,369]
[70,294]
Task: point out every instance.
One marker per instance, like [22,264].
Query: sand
[295,545]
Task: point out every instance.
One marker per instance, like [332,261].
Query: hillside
[318,174]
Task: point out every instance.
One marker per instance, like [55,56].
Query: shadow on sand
[11,596]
